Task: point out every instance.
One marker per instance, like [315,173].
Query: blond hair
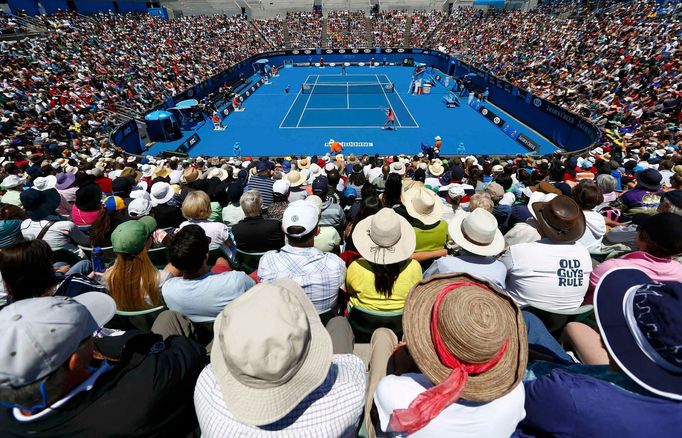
[197,205]
[133,282]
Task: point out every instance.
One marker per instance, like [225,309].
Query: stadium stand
[224,296]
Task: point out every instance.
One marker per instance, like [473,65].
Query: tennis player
[390,119]
[343,69]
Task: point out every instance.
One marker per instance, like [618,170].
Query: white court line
[388,102]
[341,127]
[344,109]
[347,96]
[307,101]
[292,104]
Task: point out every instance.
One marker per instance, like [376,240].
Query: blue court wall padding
[93,6]
[127,137]
[30,6]
[497,3]
[124,7]
[52,6]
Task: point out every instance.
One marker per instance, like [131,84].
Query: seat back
[555,320]
[158,256]
[364,322]
[248,261]
[107,254]
[141,320]
[65,256]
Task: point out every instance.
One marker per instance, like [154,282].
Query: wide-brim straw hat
[246,369]
[474,322]
[385,238]
[303,163]
[296,178]
[477,232]
[422,204]
[217,172]
[436,168]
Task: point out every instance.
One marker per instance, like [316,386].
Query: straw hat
[303,163]
[385,238]
[398,168]
[217,172]
[296,178]
[474,320]
[422,204]
[190,174]
[477,233]
[270,352]
[436,168]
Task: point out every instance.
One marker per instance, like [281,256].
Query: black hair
[504,180]
[27,270]
[392,190]
[188,249]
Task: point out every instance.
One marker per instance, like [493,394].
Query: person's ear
[317,230]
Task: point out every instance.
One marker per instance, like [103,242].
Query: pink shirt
[82,218]
[659,269]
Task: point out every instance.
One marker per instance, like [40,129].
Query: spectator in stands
[551,273]
[424,210]
[13,185]
[262,182]
[232,212]
[320,274]
[331,213]
[111,215]
[196,208]
[165,208]
[67,190]
[460,369]
[480,240]
[280,199]
[296,180]
[200,295]
[644,198]
[54,386]
[641,387]
[382,279]
[588,196]
[275,369]
[659,239]
[254,233]
[133,281]
[88,203]
[368,207]
[328,239]
[43,222]
[11,218]
[501,212]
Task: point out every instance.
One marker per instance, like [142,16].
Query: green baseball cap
[130,237]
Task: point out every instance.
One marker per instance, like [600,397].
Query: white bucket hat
[161,193]
[43,183]
[477,233]
[147,170]
[385,238]
[270,352]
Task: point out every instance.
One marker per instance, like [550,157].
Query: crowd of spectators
[347,29]
[10,25]
[424,23]
[227,294]
[305,29]
[389,27]
[272,30]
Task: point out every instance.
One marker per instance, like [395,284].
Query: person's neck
[191,276]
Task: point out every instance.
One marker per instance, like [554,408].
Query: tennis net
[348,88]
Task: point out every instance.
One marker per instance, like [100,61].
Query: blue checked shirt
[333,409]
[320,274]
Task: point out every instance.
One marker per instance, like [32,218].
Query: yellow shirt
[360,286]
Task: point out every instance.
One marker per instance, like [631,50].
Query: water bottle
[98,260]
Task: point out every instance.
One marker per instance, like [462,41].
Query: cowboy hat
[477,233]
[296,178]
[560,219]
[422,204]
[129,172]
[398,168]
[190,175]
[270,352]
[436,168]
[303,163]
[639,321]
[477,326]
[385,238]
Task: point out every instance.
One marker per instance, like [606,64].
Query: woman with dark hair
[110,216]
[11,217]
[419,175]
[356,179]
[391,196]
[475,178]
[381,280]
[369,206]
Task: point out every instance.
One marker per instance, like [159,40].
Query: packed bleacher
[346,29]
[341,295]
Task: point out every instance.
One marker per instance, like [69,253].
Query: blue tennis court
[347,101]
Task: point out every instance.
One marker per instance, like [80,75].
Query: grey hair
[251,203]
[606,183]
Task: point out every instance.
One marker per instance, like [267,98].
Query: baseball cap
[139,207]
[281,186]
[261,166]
[302,214]
[131,236]
[114,203]
[320,185]
[39,334]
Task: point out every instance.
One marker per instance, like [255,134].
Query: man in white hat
[58,379]
[320,274]
[276,370]
[480,240]
[14,186]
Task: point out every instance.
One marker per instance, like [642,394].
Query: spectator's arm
[429,255]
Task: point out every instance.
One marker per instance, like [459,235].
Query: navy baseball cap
[320,185]
[640,322]
[261,166]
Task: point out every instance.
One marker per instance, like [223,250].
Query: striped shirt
[263,185]
[320,274]
[333,409]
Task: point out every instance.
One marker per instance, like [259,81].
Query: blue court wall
[93,6]
[30,6]
[52,6]
[124,7]
[567,130]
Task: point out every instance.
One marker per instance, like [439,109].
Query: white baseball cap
[302,214]
[139,207]
[281,186]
